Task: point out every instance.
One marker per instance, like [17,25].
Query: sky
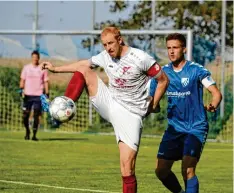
[53,15]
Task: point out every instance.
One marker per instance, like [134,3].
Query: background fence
[14,55]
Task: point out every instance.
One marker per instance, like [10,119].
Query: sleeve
[46,77]
[23,73]
[205,77]
[147,62]
[151,67]
[98,60]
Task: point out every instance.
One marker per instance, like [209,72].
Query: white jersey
[127,78]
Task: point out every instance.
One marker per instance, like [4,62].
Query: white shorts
[127,126]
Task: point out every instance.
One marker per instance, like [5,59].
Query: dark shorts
[176,145]
[32,102]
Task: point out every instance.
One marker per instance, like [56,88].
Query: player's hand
[210,108]
[156,109]
[21,92]
[47,95]
[47,65]
[151,109]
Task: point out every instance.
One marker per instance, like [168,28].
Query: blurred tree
[203,50]
[215,122]
[203,17]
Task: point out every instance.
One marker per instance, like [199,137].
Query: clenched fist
[47,65]
[210,108]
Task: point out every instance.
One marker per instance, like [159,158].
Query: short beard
[119,53]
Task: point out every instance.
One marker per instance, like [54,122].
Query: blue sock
[192,185]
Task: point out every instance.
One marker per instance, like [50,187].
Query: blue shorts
[176,145]
[32,102]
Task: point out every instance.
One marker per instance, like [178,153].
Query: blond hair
[112,30]
[115,31]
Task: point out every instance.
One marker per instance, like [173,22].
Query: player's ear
[184,50]
[120,40]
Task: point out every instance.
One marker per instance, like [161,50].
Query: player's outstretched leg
[84,77]
[127,165]
[75,86]
[167,177]
[188,171]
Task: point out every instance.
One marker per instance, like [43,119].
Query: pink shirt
[34,79]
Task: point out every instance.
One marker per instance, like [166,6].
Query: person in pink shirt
[33,82]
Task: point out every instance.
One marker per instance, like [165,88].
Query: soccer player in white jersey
[125,102]
[187,128]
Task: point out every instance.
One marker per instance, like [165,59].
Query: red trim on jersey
[154,70]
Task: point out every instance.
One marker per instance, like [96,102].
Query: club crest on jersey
[184,82]
[126,69]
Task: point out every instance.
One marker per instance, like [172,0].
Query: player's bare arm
[216,98]
[65,68]
[155,71]
[163,82]
[22,83]
[46,87]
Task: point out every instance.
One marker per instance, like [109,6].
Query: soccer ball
[62,109]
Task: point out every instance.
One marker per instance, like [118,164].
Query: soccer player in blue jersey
[187,128]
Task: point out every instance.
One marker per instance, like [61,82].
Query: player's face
[175,50]
[111,44]
[35,59]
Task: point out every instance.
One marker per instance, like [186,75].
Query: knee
[88,75]
[162,173]
[36,114]
[85,70]
[127,167]
[26,114]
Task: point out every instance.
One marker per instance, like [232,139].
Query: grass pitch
[90,163]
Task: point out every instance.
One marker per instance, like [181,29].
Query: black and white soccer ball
[62,108]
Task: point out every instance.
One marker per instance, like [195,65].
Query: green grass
[85,161]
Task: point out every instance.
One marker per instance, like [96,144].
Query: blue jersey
[185,110]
